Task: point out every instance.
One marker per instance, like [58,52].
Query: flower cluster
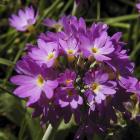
[77,70]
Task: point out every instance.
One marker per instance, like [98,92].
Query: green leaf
[6,62]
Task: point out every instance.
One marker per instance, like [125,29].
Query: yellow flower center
[68,81]
[95,87]
[40,81]
[118,75]
[94,50]
[50,56]
[70,52]
[58,27]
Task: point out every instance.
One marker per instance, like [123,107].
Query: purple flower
[73,26]
[138,7]
[69,98]
[99,49]
[131,84]
[58,25]
[48,110]
[24,19]
[32,81]
[46,53]
[91,91]
[70,47]
[120,63]
[67,79]
[96,30]
[49,36]
[98,87]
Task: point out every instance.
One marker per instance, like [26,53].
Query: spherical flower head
[32,81]
[99,49]
[98,87]
[46,53]
[85,89]
[24,19]
[67,79]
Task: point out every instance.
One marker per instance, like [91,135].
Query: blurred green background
[16,122]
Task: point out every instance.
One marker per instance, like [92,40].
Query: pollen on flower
[71,58]
[68,81]
[50,56]
[70,52]
[95,87]
[94,50]
[40,81]
[118,75]
[58,27]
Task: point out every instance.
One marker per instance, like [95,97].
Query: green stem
[9,42]
[136,31]
[6,62]
[132,55]
[98,10]
[8,34]
[7,91]
[57,8]
[116,19]
[48,133]
[52,7]
[15,60]
[69,3]
[74,10]
[131,29]
[122,18]
[120,25]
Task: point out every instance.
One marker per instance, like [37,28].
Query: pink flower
[46,53]
[24,19]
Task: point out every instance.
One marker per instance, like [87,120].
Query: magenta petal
[101,57]
[92,107]
[98,99]
[48,91]
[63,104]
[52,84]
[107,90]
[80,100]
[35,97]
[73,104]
[27,91]
[22,79]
